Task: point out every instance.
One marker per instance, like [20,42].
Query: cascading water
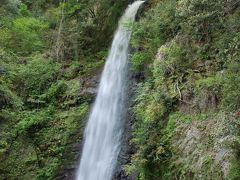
[105,125]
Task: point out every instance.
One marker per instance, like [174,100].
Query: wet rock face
[127,148]
[88,88]
[68,174]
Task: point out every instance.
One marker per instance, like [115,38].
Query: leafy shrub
[234,173]
[152,31]
[227,46]
[47,172]
[36,76]
[231,86]
[73,70]
[55,91]
[24,36]
[8,98]
[32,121]
[24,10]
[150,109]
[10,7]
[201,18]
[138,60]
[211,83]
[199,45]
[174,60]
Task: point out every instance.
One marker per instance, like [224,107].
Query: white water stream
[105,125]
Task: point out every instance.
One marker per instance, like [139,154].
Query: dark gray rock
[89,88]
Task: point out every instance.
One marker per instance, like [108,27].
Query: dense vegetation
[185,55]
[191,48]
[47,48]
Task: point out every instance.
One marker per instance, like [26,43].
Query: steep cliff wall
[186,104]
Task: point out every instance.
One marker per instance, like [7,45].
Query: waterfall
[105,125]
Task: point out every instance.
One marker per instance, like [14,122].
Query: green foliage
[137,60]
[54,139]
[152,31]
[9,7]
[24,35]
[24,10]
[211,83]
[41,111]
[150,109]
[47,172]
[104,21]
[32,121]
[154,101]
[36,76]
[71,6]
[234,173]
[44,136]
[201,18]
[169,129]
[38,138]
[55,92]
[197,54]
[231,96]
[86,28]
[8,98]
[173,62]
